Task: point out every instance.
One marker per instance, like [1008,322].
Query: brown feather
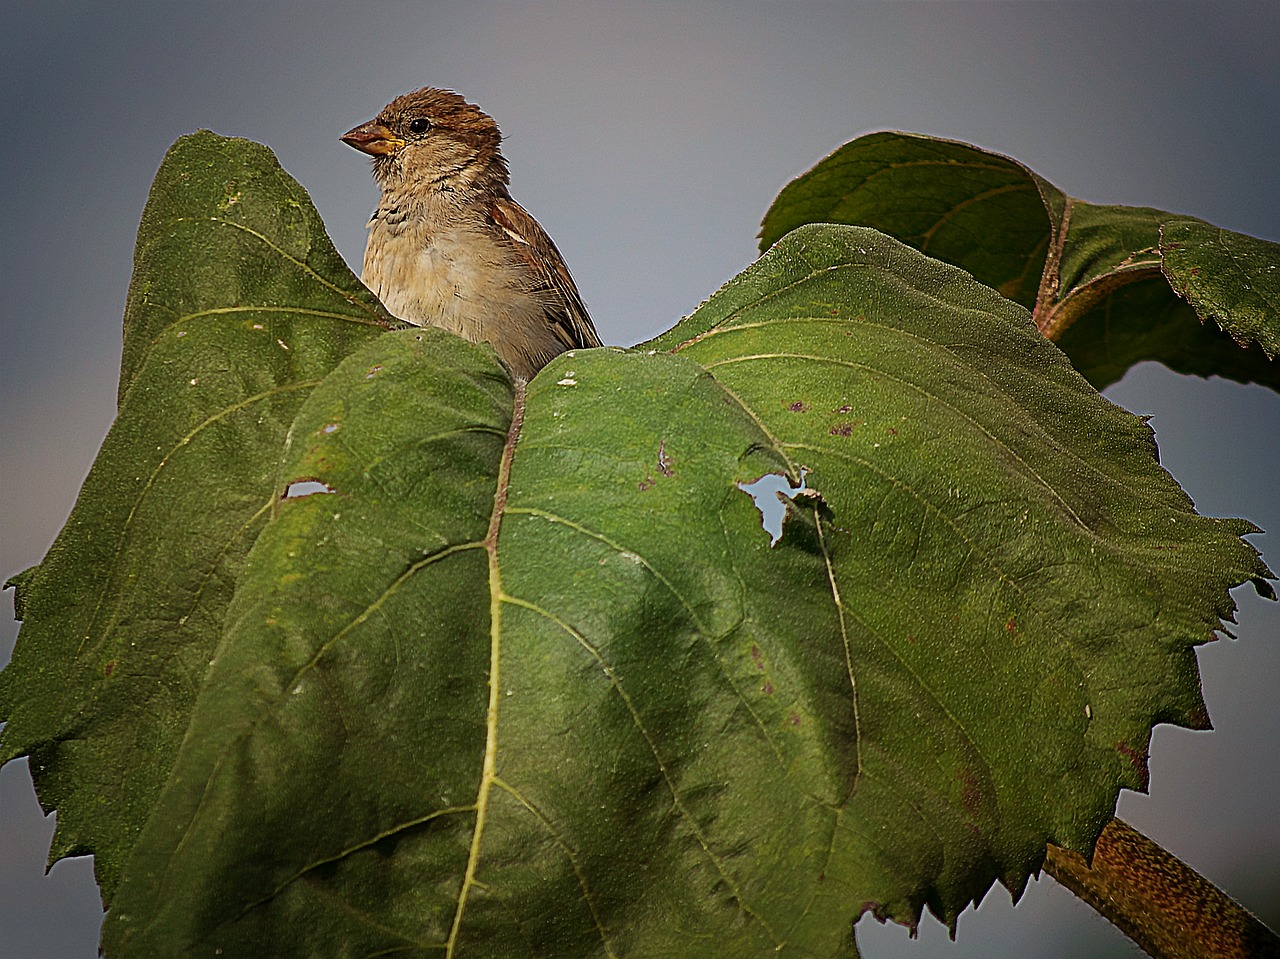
[568,314]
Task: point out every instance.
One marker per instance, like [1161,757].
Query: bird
[449,247]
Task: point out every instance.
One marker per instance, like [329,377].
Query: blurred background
[649,138]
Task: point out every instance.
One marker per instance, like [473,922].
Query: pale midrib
[488,768]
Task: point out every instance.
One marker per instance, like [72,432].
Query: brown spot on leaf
[794,719]
[892,431]
[970,791]
[109,667]
[757,657]
[1138,759]
[842,409]
[877,910]
[1011,626]
[799,406]
[841,429]
[767,688]
[646,483]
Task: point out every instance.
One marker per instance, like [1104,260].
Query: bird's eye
[419,125]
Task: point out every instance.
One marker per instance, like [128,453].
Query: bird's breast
[463,274]
[453,276]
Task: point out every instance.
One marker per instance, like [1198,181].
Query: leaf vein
[488,768]
[126,526]
[570,853]
[677,802]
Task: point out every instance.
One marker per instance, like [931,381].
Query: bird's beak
[372,138]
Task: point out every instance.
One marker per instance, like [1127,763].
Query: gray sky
[649,138]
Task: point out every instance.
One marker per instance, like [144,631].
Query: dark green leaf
[1073,262]
[979,210]
[1116,305]
[334,749]
[527,678]
[238,307]
[227,232]
[1230,278]
[1102,345]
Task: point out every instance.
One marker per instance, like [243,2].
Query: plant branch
[1160,902]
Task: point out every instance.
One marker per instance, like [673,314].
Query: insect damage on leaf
[771,494]
[306,487]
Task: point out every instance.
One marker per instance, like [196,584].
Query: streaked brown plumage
[448,246]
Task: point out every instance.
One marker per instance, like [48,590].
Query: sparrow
[448,247]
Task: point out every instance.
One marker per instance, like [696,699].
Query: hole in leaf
[307,487]
[771,493]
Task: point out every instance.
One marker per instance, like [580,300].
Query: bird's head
[432,138]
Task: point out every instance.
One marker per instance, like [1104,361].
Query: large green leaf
[516,671]
[629,721]
[239,306]
[1208,300]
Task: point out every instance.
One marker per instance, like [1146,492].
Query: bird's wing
[569,318]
